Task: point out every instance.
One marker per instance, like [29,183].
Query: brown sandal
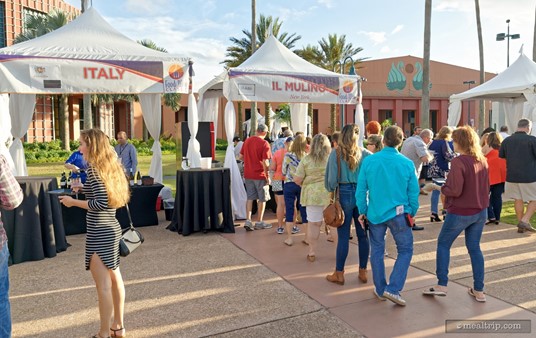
[114,334]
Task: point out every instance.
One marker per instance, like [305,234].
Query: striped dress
[103,230]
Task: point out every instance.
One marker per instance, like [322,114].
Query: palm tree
[242,49]
[481,118]
[425,106]
[38,25]
[328,55]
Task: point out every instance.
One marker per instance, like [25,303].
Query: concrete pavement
[250,284]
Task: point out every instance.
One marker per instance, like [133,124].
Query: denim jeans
[495,201]
[452,227]
[434,201]
[5,310]
[403,237]
[348,204]
[292,192]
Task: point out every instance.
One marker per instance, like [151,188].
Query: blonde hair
[444,133]
[375,140]
[484,139]
[350,151]
[320,149]
[103,159]
[494,140]
[467,140]
[298,146]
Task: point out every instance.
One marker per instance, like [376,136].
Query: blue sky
[201,29]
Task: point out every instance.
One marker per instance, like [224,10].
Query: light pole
[507,36]
[469,82]
[351,71]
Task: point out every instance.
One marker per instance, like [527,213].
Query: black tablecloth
[203,201]
[35,229]
[142,207]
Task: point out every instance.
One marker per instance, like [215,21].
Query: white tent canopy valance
[514,89]
[87,56]
[276,74]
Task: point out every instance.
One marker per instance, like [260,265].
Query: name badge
[399,210]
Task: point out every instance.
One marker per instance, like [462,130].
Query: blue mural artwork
[396,80]
[417,78]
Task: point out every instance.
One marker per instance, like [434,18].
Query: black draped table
[203,201]
[142,207]
[35,228]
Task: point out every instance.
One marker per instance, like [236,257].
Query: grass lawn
[508,214]
[169,168]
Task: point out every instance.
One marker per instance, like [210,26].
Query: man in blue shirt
[126,153]
[77,164]
[387,196]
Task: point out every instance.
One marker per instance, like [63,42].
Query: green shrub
[41,152]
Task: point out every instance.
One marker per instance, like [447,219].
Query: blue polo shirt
[389,179]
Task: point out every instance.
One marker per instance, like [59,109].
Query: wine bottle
[138,178]
[131,178]
[68,186]
[63,181]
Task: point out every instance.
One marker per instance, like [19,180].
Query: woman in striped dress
[106,189]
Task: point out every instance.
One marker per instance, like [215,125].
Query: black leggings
[495,201]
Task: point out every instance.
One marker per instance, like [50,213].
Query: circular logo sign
[176,72]
[348,86]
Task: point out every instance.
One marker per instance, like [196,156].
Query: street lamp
[469,82]
[341,71]
[507,36]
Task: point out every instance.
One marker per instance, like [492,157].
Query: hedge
[52,151]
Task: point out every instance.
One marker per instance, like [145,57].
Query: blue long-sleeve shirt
[347,175]
[389,179]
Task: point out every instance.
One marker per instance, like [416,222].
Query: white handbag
[130,240]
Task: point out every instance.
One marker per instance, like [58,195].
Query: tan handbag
[333,213]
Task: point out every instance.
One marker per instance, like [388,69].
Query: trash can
[169,205]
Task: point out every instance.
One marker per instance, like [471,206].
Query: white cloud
[327,3]
[146,7]
[397,29]
[385,50]
[375,37]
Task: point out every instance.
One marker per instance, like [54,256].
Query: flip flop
[434,292]
[477,298]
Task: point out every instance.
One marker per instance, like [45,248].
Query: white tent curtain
[6,139]
[208,106]
[359,117]
[194,148]
[455,113]
[275,126]
[150,106]
[238,192]
[298,117]
[21,110]
[513,113]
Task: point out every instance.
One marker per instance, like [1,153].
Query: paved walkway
[250,284]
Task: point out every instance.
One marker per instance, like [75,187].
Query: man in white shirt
[504,132]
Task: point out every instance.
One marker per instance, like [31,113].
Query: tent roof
[274,57]
[511,83]
[88,37]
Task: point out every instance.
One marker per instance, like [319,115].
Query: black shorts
[424,173]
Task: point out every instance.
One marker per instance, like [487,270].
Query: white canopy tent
[514,89]
[276,74]
[88,56]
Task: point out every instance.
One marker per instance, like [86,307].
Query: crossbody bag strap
[336,195]
[129,218]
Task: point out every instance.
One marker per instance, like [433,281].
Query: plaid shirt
[10,194]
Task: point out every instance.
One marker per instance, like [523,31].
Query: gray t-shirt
[414,148]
